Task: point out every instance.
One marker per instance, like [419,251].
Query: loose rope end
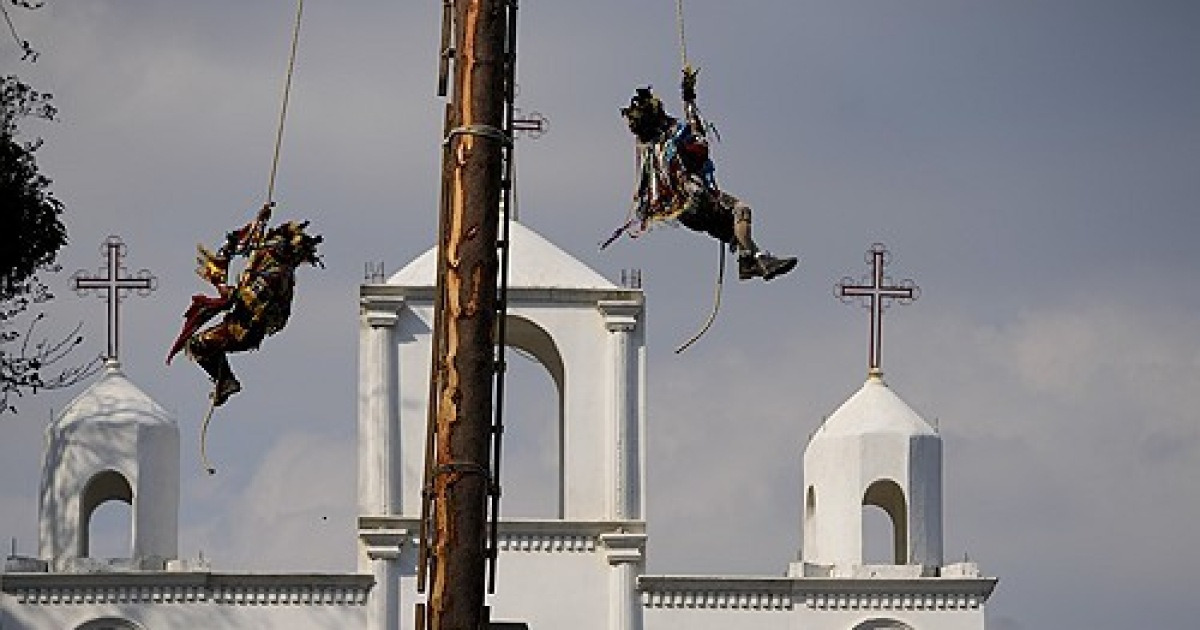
[712,316]
[208,467]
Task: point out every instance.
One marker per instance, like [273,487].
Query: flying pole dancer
[676,182]
[260,302]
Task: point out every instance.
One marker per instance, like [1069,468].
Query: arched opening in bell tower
[106,517]
[882,624]
[886,496]
[109,623]
[532,461]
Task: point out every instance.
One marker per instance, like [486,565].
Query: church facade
[115,443]
[581,567]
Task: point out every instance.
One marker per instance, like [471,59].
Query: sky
[1033,166]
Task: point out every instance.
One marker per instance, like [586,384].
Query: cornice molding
[785,593]
[384,544]
[380,311]
[893,601]
[717,600]
[546,542]
[166,587]
[624,547]
[716,593]
[620,315]
[527,296]
[387,534]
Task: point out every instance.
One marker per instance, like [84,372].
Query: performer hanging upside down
[676,180]
[257,306]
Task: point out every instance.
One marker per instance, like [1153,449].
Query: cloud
[1071,441]
[1004,623]
[1090,346]
[1005,153]
[297,513]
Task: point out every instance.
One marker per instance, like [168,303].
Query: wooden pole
[473,169]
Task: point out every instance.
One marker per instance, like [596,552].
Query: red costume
[257,306]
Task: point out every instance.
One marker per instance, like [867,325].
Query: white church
[582,568]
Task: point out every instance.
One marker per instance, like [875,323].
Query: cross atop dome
[114,286]
[872,291]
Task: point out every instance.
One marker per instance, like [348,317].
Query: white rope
[212,404]
[712,316]
[683,56]
[287,90]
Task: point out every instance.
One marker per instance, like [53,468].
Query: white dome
[113,397]
[874,409]
[534,263]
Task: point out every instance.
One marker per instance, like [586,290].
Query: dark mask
[645,115]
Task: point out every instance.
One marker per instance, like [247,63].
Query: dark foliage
[33,233]
[30,240]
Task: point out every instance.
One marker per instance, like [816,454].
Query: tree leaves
[32,236]
[33,232]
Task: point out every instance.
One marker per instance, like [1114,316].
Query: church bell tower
[112,443]
[588,335]
[874,451]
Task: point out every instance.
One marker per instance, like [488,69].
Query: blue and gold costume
[677,182]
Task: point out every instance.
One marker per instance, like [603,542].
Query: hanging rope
[683,57]
[212,405]
[287,90]
[712,316]
[259,225]
[686,67]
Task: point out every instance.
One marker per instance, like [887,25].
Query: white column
[624,550]
[382,546]
[379,465]
[626,557]
[378,421]
[620,319]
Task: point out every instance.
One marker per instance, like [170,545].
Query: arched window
[532,460]
[109,623]
[886,495]
[110,531]
[878,536]
[882,624]
[114,524]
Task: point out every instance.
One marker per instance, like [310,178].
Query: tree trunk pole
[473,169]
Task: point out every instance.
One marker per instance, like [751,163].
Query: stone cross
[114,286]
[534,125]
[872,291]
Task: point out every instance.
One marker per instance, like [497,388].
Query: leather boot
[771,266]
[224,389]
[748,267]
